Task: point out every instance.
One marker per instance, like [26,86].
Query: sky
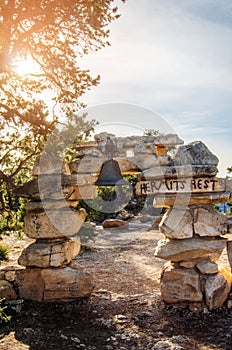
[172,60]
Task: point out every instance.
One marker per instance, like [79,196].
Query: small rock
[207,267]
[111,223]
[7,291]
[121,317]
[75,339]
[178,339]
[16,305]
[109,347]
[63,336]
[195,307]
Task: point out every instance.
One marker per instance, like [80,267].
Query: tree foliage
[229,170]
[55,34]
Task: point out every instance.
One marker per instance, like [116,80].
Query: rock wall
[133,153]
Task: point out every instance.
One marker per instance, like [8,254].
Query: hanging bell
[110,175]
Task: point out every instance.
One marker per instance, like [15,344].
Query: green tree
[55,34]
[229,170]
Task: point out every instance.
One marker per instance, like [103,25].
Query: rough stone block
[217,289]
[195,153]
[50,254]
[180,285]
[54,285]
[207,267]
[177,223]
[53,223]
[150,161]
[209,222]
[191,248]
[8,272]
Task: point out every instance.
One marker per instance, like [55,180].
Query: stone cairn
[51,273]
[192,228]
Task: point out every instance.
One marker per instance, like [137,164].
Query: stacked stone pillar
[193,247]
[193,229]
[50,273]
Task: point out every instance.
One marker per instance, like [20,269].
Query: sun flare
[27,66]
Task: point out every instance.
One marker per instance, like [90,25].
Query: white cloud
[175,58]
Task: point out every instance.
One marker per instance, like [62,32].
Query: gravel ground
[125,311]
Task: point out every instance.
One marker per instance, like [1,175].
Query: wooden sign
[181,185]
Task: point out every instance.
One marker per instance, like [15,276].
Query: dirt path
[125,311]
[129,267]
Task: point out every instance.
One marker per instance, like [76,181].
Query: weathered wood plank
[183,185]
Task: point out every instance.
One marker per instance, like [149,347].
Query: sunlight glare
[27,66]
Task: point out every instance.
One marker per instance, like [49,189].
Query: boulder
[195,153]
[177,223]
[191,248]
[209,222]
[180,285]
[217,289]
[54,284]
[53,223]
[50,254]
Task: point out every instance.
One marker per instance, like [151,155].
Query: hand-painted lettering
[213,181]
[206,184]
[179,185]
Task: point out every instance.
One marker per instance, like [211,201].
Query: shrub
[4,250]
[4,317]
[13,220]
[87,233]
